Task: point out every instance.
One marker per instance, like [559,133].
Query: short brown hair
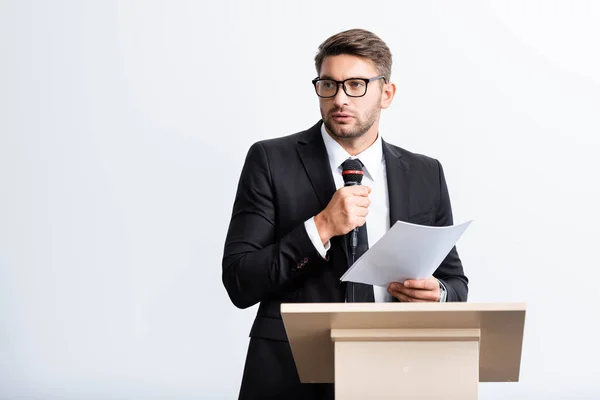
[360,43]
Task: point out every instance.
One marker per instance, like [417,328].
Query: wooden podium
[405,350]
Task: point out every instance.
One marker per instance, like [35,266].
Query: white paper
[406,251]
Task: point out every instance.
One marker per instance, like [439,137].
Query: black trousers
[270,373]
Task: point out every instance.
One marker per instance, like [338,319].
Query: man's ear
[389,91]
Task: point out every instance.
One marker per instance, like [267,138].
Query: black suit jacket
[269,258]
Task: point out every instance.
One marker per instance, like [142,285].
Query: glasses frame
[343,83]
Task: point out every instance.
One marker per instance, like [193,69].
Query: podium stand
[405,350]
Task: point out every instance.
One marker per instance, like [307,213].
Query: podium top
[501,325]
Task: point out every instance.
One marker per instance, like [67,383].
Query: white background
[124,126]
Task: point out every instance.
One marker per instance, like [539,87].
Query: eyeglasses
[353,87]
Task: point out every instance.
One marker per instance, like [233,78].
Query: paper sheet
[406,251]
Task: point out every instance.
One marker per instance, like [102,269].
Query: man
[287,237]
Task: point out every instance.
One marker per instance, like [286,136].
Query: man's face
[350,117]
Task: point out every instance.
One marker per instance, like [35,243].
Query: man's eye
[356,84]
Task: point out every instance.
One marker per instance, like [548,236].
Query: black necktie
[358,292]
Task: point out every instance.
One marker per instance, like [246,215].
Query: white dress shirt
[378,219]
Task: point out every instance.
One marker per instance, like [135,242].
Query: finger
[362,201]
[425,295]
[361,211]
[401,297]
[397,294]
[417,294]
[360,190]
[427,284]
[405,299]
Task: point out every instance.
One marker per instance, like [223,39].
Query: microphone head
[352,172]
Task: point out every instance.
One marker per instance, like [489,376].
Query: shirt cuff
[443,292]
[313,234]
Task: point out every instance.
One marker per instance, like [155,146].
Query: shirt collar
[371,157]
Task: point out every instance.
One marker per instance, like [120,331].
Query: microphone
[353,174]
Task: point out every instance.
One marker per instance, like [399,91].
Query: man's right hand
[347,209]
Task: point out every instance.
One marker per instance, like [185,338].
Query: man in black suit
[287,236]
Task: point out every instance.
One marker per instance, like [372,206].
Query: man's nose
[341,98]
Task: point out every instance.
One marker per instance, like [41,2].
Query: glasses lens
[326,88]
[356,87]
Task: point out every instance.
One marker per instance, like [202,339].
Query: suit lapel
[398,180]
[313,154]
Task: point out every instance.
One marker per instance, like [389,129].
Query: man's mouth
[341,117]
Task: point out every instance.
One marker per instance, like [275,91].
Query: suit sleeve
[257,262]
[450,271]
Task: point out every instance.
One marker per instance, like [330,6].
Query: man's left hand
[416,290]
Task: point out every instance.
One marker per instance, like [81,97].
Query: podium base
[406,363]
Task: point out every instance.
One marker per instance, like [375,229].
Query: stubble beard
[345,131]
